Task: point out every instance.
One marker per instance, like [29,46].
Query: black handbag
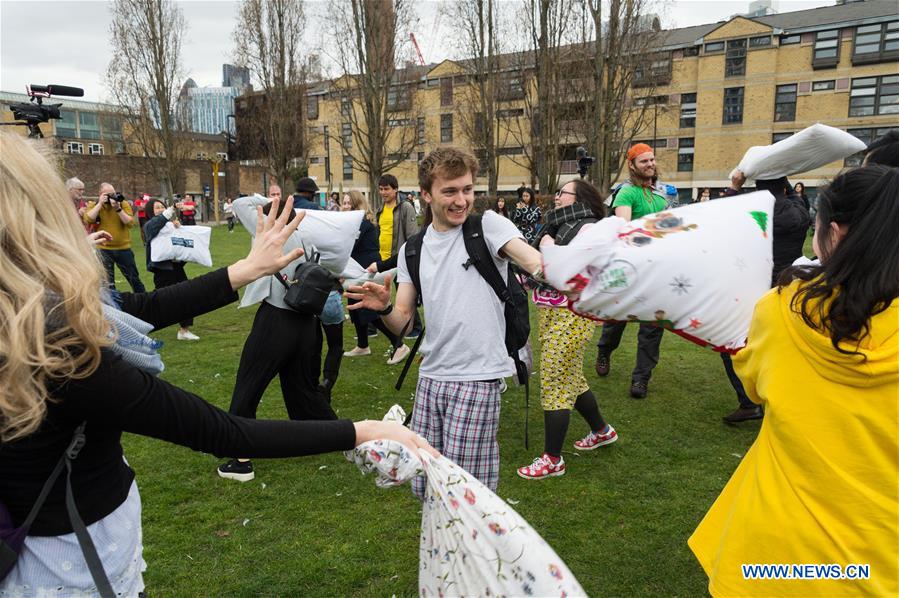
[310,287]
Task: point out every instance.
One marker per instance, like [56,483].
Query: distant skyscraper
[207,109]
[235,76]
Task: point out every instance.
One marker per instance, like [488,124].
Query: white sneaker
[356,352]
[399,355]
[187,335]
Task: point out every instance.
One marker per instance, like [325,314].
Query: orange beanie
[636,150]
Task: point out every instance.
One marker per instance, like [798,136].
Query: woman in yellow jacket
[817,494]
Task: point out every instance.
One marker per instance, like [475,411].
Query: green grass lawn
[314,526]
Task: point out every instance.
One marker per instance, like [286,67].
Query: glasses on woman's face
[562,192]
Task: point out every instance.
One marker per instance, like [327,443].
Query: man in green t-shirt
[635,199]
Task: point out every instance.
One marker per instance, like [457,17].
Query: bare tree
[379,119]
[476,23]
[268,40]
[624,68]
[144,77]
[540,79]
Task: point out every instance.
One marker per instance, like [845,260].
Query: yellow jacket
[820,485]
[108,220]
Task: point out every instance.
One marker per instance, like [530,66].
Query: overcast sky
[66,42]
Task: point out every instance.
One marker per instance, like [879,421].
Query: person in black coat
[790,223]
[166,272]
[365,251]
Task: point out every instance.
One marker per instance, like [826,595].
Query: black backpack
[512,295]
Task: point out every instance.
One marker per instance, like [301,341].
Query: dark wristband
[386,311]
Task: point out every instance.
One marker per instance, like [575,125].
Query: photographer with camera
[113,214]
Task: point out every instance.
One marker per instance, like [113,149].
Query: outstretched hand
[370,295]
[266,255]
[376,430]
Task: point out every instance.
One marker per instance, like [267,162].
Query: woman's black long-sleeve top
[118,398]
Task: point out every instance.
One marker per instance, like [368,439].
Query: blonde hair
[358,201]
[48,273]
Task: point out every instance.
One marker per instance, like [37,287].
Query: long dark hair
[860,274]
[586,193]
[504,211]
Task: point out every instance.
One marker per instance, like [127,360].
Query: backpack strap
[479,256]
[94,565]
[413,260]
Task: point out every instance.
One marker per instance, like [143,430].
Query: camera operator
[113,214]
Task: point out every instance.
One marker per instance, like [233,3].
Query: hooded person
[819,485]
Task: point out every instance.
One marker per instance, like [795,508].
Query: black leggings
[334,339]
[361,323]
[166,278]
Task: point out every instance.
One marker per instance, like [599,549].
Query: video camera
[584,162]
[34,113]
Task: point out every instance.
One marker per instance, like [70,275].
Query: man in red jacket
[188,209]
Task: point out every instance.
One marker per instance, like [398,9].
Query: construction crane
[421,59]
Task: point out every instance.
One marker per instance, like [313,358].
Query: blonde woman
[365,251]
[60,367]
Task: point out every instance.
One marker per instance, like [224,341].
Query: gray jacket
[405,224]
[266,288]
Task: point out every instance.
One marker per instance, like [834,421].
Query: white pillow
[332,234]
[808,149]
[697,270]
[183,244]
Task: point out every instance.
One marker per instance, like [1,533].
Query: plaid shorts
[460,419]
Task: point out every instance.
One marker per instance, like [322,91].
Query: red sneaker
[596,440]
[543,467]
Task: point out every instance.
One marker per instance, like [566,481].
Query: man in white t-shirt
[457,399]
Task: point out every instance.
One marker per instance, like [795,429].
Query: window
[345,107]
[420,130]
[446,91]
[223,156]
[421,156]
[685,154]
[399,122]
[874,95]
[346,135]
[315,160]
[826,53]
[510,151]
[312,107]
[687,110]
[733,105]
[88,125]
[111,126]
[652,100]
[735,59]
[876,43]
[760,42]
[68,125]
[511,87]
[73,147]
[655,70]
[823,85]
[714,47]
[201,156]
[867,136]
[691,51]
[433,82]
[347,168]
[95,149]
[780,137]
[478,129]
[786,40]
[446,128]
[510,113]
[327,139]
[399,98]
[785,103]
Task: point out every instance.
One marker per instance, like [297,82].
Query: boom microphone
[55,90]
